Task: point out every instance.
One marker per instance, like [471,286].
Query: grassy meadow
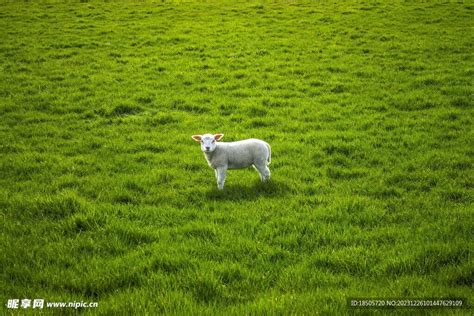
[104,196]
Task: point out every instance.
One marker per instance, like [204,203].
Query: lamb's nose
[207,148]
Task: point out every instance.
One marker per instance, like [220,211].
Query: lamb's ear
[218,136]
[197,137]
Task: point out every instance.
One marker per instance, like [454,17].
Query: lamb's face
[208,141]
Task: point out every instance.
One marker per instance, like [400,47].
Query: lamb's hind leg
[263,170]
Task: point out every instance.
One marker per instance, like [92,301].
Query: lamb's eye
[213,141]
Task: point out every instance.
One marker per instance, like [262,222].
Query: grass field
[105,197]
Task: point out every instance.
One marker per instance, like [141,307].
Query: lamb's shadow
[249,192]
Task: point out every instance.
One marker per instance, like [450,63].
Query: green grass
[105,197]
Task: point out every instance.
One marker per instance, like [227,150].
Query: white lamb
[235,155]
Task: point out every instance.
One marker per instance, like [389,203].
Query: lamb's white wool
[235,155]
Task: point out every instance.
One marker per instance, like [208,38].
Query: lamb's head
[208,141]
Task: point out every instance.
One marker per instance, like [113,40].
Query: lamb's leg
[221,174]
[264,171]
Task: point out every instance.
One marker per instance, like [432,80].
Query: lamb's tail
[269,159]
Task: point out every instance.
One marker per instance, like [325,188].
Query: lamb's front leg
[220,175]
